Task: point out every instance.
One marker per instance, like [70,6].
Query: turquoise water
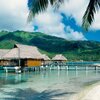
[45,85]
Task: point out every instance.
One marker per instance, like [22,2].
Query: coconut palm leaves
[38,6]
[88,17]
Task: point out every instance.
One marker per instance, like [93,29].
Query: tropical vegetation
[51,45]
[37,6]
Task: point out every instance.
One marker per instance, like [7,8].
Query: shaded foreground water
[45,85]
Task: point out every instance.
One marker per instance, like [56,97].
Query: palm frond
[37,6]
[88,17]
[58,3]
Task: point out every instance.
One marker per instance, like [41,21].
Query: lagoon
[46,85]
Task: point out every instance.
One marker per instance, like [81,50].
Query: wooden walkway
[74,66]
[52,66]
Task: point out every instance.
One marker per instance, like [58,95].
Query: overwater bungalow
[3,52]
[23,55]
[46,59]
[59,60]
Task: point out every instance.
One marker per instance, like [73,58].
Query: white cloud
[13,15]
[74,35]
[50,22]
[76,9]
[96,23]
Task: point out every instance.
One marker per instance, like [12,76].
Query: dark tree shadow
[29,94]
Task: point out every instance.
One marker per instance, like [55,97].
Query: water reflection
[7,78]
[46,85]
[11,78]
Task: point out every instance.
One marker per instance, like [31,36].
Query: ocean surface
[46,85]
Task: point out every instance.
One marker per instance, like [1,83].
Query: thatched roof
[23,51]
[3,52]
[45,57]
[13,53]
[59,57]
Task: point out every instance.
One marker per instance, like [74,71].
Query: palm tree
[88,17]
[38,6]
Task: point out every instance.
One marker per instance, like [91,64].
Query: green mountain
[51,45]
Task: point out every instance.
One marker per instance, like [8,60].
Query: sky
[64,22]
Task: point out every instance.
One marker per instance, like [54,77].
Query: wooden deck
[15,69]
[52,66]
